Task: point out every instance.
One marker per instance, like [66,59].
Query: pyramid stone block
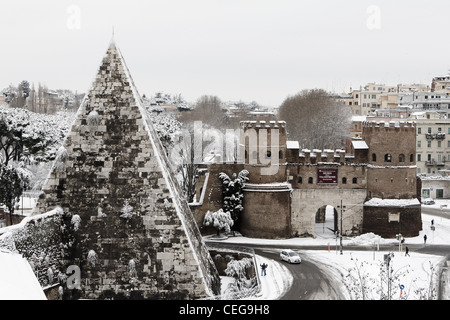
[134,234]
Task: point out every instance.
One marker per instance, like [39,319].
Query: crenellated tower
[393,206]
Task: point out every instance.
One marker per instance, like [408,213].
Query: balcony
[438,136]
[433,163]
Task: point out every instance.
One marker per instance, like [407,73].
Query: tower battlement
[371,124]
[262,124]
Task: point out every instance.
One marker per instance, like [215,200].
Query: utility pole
[340,230]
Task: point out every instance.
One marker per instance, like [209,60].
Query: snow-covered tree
[220,220]
[13,181]
[232,193]
[30,136]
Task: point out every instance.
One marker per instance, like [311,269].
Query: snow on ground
[415,272]
[277,280]
[17,279]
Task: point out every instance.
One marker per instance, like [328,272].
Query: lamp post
[340,230]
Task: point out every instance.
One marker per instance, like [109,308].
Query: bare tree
[208,110]
[316,119]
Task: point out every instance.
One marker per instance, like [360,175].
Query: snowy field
[414,272]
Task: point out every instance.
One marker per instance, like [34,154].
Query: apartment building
[433,143]
[367,99]
[441,84]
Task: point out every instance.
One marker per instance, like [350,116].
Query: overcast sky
[236,49]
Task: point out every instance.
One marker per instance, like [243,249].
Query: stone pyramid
[134,235]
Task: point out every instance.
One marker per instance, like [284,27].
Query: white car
[290,256]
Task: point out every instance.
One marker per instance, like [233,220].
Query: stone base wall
[267,214]
[387,222]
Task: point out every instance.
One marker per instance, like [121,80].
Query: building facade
[288,187]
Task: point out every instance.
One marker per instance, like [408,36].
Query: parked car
[290,256]
[428,201]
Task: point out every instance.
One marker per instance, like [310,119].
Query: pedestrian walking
[263,269]
[407,251]
[425,239]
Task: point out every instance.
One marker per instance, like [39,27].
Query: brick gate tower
[134,235]
[393,206]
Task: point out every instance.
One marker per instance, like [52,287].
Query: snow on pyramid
[134,235]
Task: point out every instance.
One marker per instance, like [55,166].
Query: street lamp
[340,230]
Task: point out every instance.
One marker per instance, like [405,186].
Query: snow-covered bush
[92,119]
[132,267]
[61,157]
[50,275]
[242,286]
[92,257]
[220,220]
[75,221]
[127,211]
[100,213]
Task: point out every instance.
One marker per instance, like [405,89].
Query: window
[439,143]
[429,144]
[419,157]
[387,157]
[268,154]
[401,158]
[419,130]
[429,157]
[419,144]
[411,157]
[429,130]
[374,157]
[344,180]
[280,155]
[355,180]
[310,180]
[448,143]
[300,180]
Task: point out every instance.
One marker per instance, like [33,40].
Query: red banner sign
[327,176]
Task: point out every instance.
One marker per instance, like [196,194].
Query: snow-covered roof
[292,145]
[360,145]
[377,202]
[359,118]
[17,279]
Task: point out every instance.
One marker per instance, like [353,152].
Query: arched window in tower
[280,154]
[310,180]
[411,157]
[344,180]
[374,157]
[387,157]
[355,180]
[401,158]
